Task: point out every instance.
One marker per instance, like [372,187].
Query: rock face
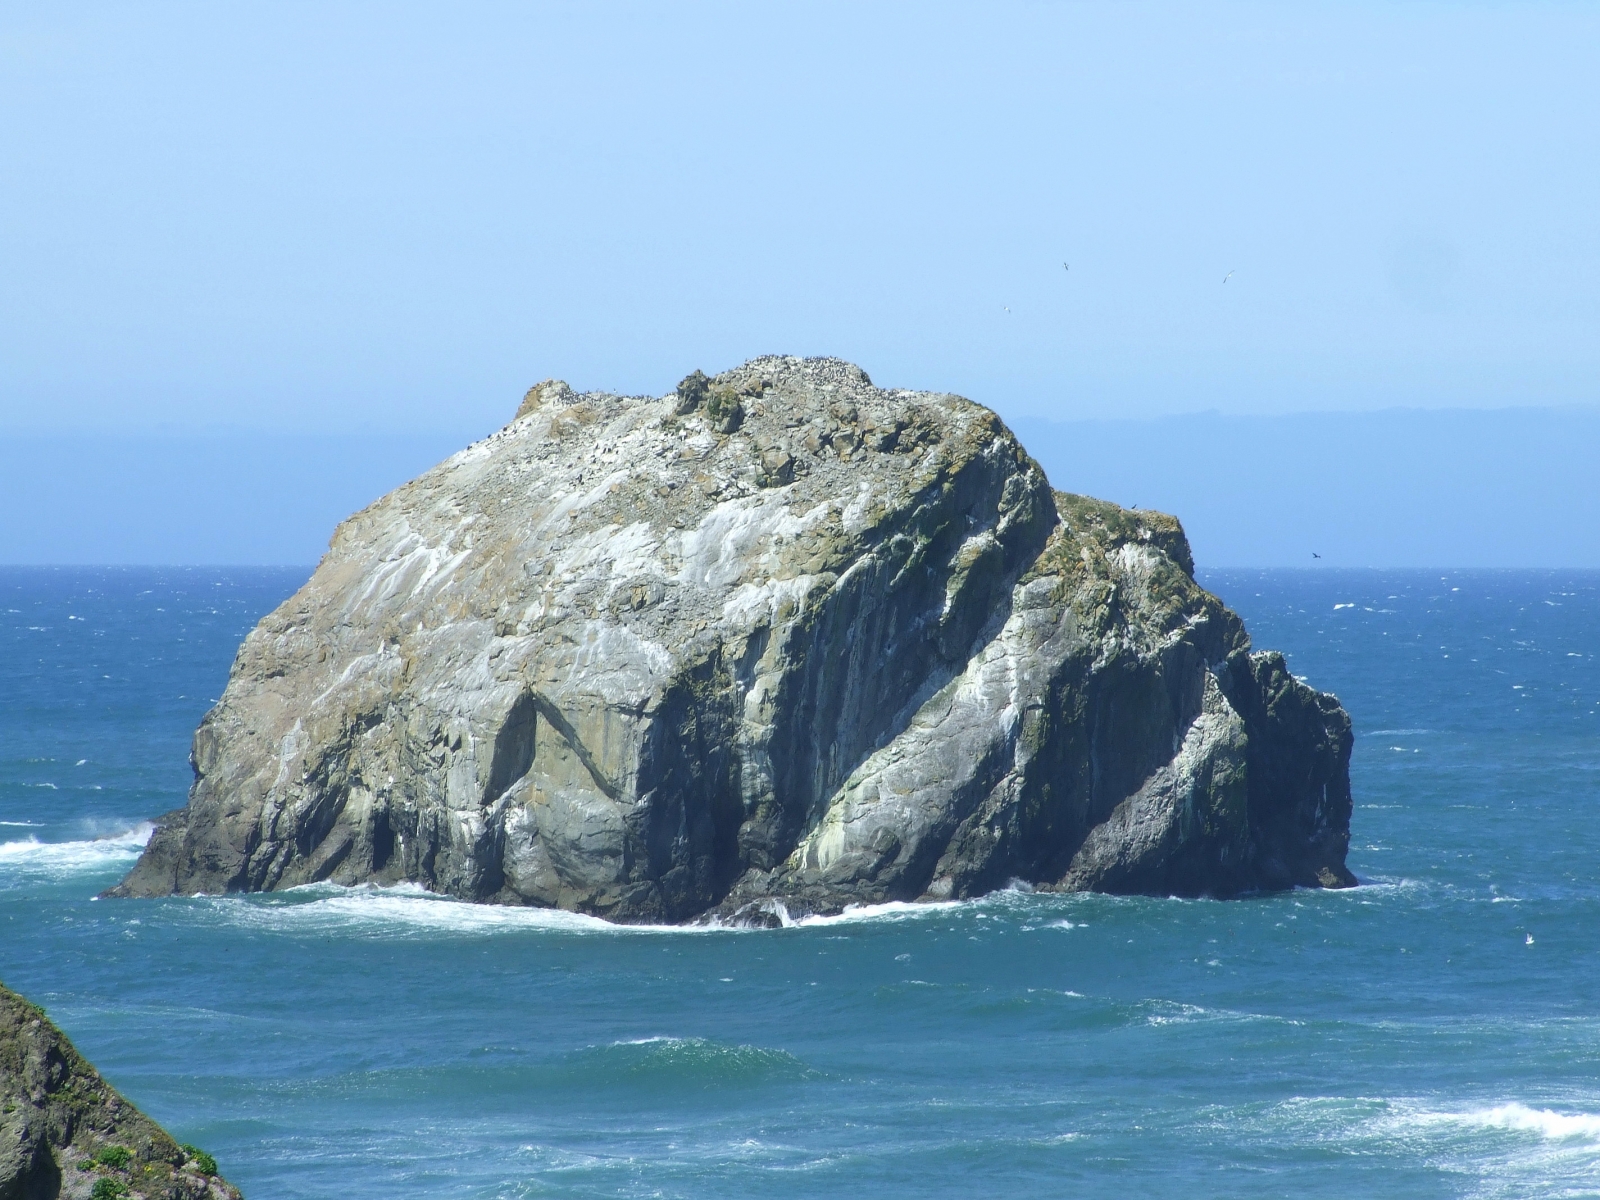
[783,637]
[65,1132]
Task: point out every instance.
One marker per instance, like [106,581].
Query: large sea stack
[782,638]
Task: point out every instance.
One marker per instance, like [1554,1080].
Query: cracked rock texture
[63,1128]
[782,641]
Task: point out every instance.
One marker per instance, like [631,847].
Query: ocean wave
[1548,1124]
[1511,1149]
[69,858]
[403,910]
[406,909]
[1019,900]
[1372,886]
[1172,1012]
[889,911]
[893,910]
[686,1061]
[1030,910]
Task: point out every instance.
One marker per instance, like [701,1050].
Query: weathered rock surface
[783,637]
[63,1129]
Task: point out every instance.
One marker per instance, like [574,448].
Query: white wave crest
[380,910]
[889,911]
[1513,1149]
[67,858]
[894,910]
[1547,1123]
[1509,1150]
[1018,898]
[1374,887]
[404,910]
[1172,1012]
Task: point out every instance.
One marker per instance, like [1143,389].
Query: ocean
[1434,1032]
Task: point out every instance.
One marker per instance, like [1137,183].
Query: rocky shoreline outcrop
[780,638]
[65,1132]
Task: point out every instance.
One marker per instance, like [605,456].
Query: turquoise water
[1435,1032]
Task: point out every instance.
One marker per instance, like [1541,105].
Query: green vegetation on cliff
[64,1131]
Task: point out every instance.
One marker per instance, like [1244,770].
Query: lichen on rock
[779,638]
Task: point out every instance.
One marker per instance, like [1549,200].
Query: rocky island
[65,1132]
[780,642]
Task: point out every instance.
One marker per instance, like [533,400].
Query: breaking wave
[31,856]
[402,911]
[894,910]
[693,1062]
[1510,1149]
[1548,1124]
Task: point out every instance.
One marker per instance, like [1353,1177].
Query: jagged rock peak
[780,637]
[551,391]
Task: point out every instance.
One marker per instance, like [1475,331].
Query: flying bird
[1064,267]
[1314,554]
[1227,277]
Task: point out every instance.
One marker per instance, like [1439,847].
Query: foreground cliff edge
[64,1131]
[780,638]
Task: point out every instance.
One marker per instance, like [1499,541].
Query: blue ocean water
[1435,1032]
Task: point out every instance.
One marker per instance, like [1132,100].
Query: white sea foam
[1172,1012]
[1510,1149]
[1513,1149]
[1546,1123]
[1373,888]
[894,910]
[1164,1012]
[404,910]
[66,858]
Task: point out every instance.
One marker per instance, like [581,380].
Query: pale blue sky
[347,217]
